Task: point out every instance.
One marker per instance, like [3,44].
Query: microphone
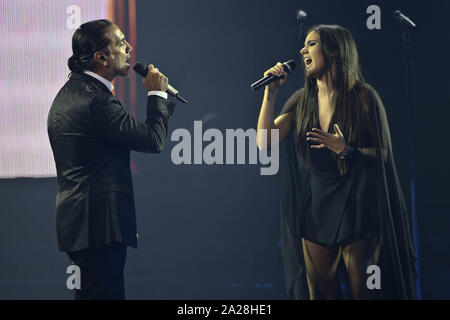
[404,20]
[301,15]
[288,66]
[142,70]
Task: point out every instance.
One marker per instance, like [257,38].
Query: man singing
[91,136]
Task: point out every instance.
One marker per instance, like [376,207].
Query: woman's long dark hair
[341,57]
[87,39]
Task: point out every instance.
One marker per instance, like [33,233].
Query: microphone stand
[301,18]
[407,27]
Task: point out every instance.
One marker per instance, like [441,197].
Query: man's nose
[303,51]
[130,48]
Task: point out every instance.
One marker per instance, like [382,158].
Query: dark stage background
[212,232]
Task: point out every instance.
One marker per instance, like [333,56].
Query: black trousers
[101,272]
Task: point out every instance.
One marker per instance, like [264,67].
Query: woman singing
[344,219]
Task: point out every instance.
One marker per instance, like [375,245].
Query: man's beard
[124,71]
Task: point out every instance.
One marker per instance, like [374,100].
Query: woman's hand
[277,70]
[335,142]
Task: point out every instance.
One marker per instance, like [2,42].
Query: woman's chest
[324,113]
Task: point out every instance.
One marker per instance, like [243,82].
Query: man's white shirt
[110,86]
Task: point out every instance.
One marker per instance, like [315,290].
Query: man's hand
[155,80]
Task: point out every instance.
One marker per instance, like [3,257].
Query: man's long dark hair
[340,56]
[87,39]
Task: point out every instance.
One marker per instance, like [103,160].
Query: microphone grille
[300,15]
[141,69]
[289,66]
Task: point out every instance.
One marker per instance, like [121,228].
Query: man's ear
[100,57]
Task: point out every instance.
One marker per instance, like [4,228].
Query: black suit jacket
[91,136]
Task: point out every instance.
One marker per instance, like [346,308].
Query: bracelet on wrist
[348,151]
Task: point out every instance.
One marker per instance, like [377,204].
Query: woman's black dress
[342,207]
[321,205]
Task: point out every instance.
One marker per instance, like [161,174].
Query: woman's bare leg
[355,257]
[321,265]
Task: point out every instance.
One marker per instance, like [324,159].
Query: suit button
[137,236]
